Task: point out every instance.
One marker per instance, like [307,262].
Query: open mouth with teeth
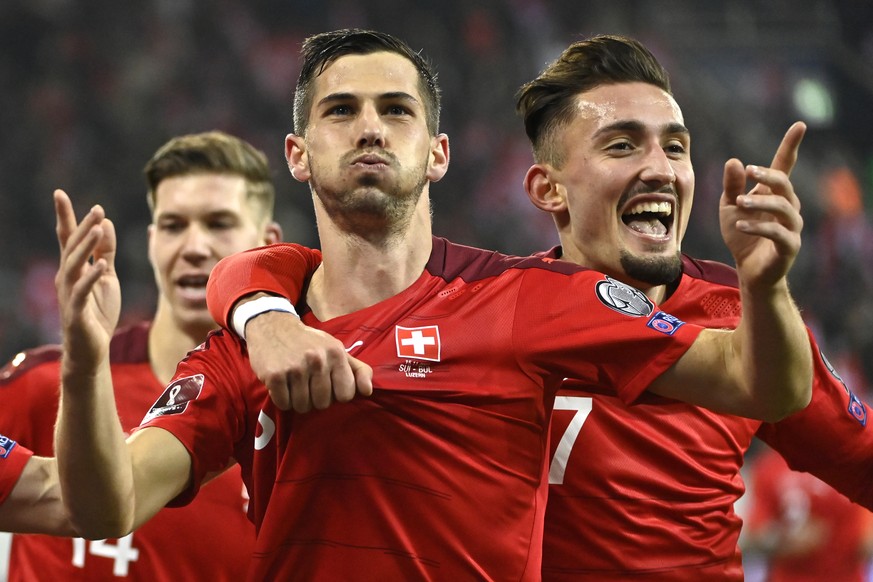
[192,287]
[193,281]
[650,217]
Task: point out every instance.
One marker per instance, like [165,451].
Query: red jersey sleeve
[281,269]
[626,340]
[205,407]
[830,437]
[13,458]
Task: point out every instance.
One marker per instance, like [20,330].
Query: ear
[544,192]
[150,231]
[273,233]
[438,163]
[298,160]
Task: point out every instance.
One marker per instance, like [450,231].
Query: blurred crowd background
[91,89]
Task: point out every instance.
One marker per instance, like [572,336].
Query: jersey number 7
[582,406]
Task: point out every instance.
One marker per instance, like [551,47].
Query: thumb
[363,376]
[734,180]
[106,248]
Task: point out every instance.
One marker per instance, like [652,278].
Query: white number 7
[582,406]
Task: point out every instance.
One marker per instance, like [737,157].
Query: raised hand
[89,294]
[762,227]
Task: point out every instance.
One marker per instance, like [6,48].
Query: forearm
[773,359]
[35,504]
[94,467]
[280,269]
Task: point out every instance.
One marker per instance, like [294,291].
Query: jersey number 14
[122,552]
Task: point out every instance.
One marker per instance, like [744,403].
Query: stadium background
[91,89]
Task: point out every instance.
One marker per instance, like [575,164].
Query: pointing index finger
[786,154]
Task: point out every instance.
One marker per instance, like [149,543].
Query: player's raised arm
[108,489]
[768,361]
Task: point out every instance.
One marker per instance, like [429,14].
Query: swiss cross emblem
[422,343]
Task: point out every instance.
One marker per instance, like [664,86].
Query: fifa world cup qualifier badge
[176,397]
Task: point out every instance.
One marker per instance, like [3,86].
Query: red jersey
[13,458]
[440,474]
[835,528]
[211,539]
[648,490]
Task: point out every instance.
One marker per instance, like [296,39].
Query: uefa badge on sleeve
[6,446]
[857,409]
[665,323]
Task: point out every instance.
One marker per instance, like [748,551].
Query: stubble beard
[369,208]
[652,270]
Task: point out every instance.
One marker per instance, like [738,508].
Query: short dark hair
[320,50]
[548,102]
[214,152]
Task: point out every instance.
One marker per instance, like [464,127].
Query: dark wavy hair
[548,102]
[320,50]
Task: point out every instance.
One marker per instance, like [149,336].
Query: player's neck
[169,343]
[657,293]
[571,253]
[357,273]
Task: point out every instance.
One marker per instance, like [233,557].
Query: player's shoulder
[130,344]
[712,272]
[281,252]
[220,345]
[30,361]
[451,260]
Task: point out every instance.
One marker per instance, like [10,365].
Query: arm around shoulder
[279,269]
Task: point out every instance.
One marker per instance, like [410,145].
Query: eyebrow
[632,125]
[393,95]
[174,215]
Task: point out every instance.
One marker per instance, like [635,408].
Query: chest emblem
[420,343]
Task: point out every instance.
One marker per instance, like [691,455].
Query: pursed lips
[370,160]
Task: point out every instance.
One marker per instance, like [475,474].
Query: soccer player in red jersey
[30,497]
[602,473]
[441,472]
[648,490]
[807,531]
[210,195]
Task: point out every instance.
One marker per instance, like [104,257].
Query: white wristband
[243,313]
